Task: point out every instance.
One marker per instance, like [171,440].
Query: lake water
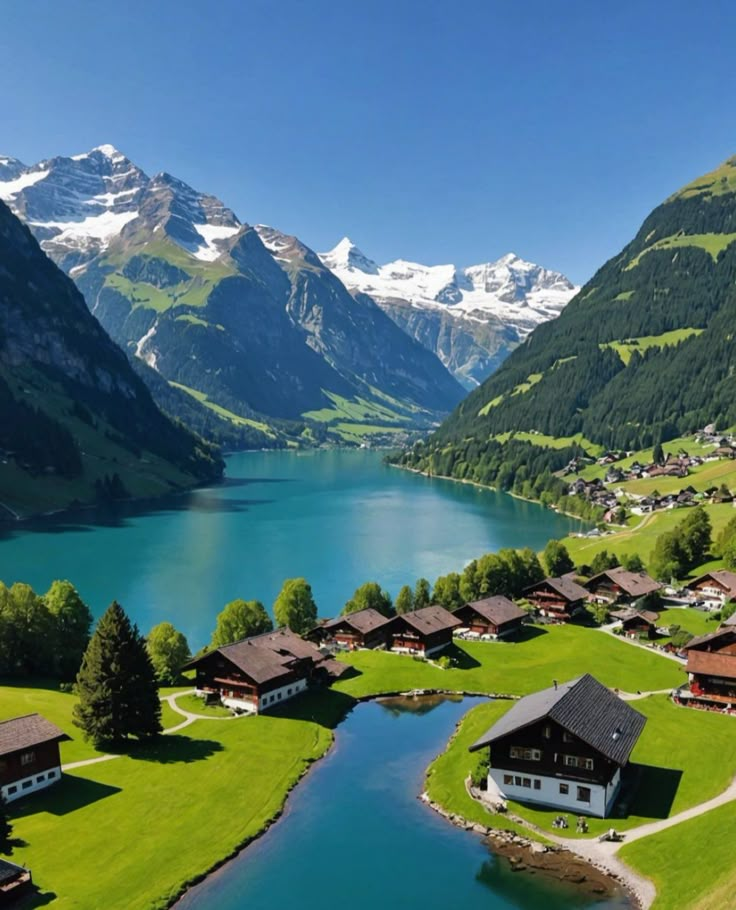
[354,833]
[336,517]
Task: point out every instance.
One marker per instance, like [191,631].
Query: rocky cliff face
[247,321]
[470,318]
[72,408]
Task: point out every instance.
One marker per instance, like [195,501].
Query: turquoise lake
[354,833]
[336,517]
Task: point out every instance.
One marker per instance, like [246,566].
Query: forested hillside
[645,352]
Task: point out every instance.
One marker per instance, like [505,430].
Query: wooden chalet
[711,668]
[637,623]
[497,617]
[565,747]
[714,588]
[557,598]
[362,629]
[15,881]
[619,586]
[257,673]
[29,755]
[425,632]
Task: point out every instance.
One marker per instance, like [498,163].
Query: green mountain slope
[644,351]
[76,423]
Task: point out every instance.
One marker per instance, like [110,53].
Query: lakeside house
[15,881]
[619,586]
[258,673]
[557,598]
[714,588]
[711,668]
[29,755]
[565,747]
[497,617]
[362,629]
[423,632]
[637,623]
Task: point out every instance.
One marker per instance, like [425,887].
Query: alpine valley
[472,318]
[245,333]
[643,354]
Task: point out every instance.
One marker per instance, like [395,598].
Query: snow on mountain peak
[109,151]
[346,256]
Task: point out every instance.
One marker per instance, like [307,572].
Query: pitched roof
[564,586]
[712,663]
[267,656]
[703,642]
[722,576]
[496,610]
[28,731]
[628,613]
[635,584]
[583,707]
[429,619]
[362,621]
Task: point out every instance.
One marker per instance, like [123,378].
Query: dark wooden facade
[216,675]
[483,622]
[557,600]
[711,667]
[30,762]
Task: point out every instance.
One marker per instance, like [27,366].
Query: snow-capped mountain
[470,317]
[250,322]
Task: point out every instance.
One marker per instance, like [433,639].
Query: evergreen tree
[240,619]
[6,827]
[116,683]
[370,595]
[421,594]
[632,562]
[658,456]
[404,600]
[447,591]
[469,582]
[168,650]
[602,561]
[556,559]
[295,606]
[73,621]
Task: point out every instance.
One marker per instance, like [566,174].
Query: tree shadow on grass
[325,707]
[70,794]
[650,791]
[175,749]
[35,899]
[460,658]
[528,632]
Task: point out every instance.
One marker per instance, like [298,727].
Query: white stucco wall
[272,698]
[31,784]
[549,794]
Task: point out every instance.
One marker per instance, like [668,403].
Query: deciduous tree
[168,650]
[404,600]
[295,606]
[371,595]
[73,621]
[240,619]
[556,559]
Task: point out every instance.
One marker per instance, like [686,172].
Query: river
[355,833]
[336,517]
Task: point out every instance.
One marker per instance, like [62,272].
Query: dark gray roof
[429,619]
[362,621]
[583,707]
[495,609]
[635,584]
[28,731]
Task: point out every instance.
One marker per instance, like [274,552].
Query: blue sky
[439,132]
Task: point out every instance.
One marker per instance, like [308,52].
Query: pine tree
[116,683]
[6,828]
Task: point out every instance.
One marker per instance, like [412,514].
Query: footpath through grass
[516,668]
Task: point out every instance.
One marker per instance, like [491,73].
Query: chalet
[565,747]
[29,755]
[711,668]
[258,673]
[497,616]
[559,598]
[637,623]
[14,881]
[714,588]
[362,629]
[620,586]
[426,631]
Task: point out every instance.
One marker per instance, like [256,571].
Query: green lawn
[711,243]
[667,339]
[169,717]
[197,706]
[553,442]
[550,652]
[641,538]
[691,864]
[178,807]
[696,622]
[701,477]
[676,772]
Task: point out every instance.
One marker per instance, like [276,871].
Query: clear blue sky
[440,132]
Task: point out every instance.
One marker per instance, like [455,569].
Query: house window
[27,758]
[583,794]
[517,780]
[524,754]
[508,780]
[40,778]
[577,761]
[568,737]
[547,732]
[537,784]
[12,790]
[564,789]
[288,691]
[26,784]
[51,775]
[526,782]
[280,694]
